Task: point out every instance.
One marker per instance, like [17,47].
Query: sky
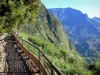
[91,7]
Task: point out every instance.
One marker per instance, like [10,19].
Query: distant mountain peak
[83,31]
[96,18]
[71,14]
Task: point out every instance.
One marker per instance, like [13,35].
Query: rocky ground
[2,54]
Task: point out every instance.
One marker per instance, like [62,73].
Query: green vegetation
[48,33]
[95,67]
[43,30]
[69,62]
[15,12]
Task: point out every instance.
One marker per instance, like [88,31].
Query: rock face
[81,30]
[2,53]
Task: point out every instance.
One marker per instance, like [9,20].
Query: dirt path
[14,61]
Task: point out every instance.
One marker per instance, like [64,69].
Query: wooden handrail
[38,48]
[31,56]
[53,67]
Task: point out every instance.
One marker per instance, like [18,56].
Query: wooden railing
[38,57]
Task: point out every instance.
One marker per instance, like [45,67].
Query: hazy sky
[91,7]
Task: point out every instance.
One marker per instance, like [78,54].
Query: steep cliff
[48,33]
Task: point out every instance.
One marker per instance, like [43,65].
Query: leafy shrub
[95,68]
[15,12]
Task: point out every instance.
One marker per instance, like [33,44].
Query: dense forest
[15,12]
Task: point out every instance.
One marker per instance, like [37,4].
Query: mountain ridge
[81,30]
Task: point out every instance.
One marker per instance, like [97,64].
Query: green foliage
[15,12]
[48,34]
[95,67]
[69,62]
